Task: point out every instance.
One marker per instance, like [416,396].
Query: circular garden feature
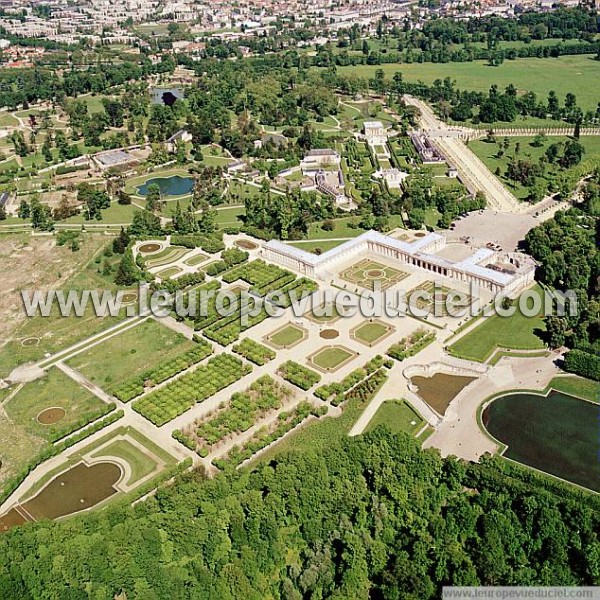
[150,248]
[129,297]
[31,341]
[246,245]
[52,415]
[329,334]
[368,274]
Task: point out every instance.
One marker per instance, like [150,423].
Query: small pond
[558,434]
[169,186]
[80,487]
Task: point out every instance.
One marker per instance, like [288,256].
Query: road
[473,172]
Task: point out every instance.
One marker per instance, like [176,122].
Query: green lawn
[8,120]
[398,416]
[371,332]
[330,359]
[487,152]
[141,464]
[54,390]
[287,336]
[346,227]
[577,74]
[170,272]
[115,214]
[130,353]
[577,386]
[196,260]
[229,217]
[516,333]
[321,246]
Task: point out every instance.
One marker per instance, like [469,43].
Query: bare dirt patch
[149,248]
[51,415]
[329,334]
[34,263]
[246,245]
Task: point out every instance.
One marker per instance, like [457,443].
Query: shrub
[411,345]
[300,376]
[254,352]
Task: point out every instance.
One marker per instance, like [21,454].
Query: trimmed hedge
[411,345]
[132,388]
[163,405]
[300,376]
[254,352]
[583,363]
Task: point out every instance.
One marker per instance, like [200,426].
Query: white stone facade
[485,267]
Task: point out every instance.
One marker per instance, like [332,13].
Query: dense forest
[566,248]
[373,517]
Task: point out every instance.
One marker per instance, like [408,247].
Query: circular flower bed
[149,248]
[246,245]
[329,334]
[49,416]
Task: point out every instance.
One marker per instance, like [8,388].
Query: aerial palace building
[506,272]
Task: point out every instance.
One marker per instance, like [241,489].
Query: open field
[517,332]
[578,74]
[54,390]
[129,354]
[23,436]
[398,416]
[487,152]
[116,213]
[37,263]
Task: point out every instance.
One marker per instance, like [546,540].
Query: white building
[375,133]
[393,178]
[320,159]
[508,273]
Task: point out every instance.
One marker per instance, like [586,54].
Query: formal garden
[331,358]
[371,332]
[238,415]
[298,375]
[287,336]
[168,402]
[370,275]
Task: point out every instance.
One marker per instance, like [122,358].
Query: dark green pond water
[558,434]
[169,186]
